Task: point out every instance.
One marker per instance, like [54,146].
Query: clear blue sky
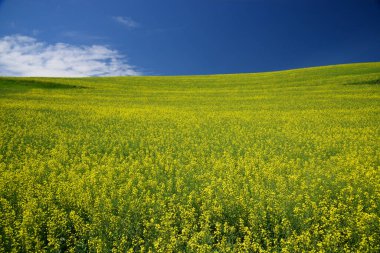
[176,37]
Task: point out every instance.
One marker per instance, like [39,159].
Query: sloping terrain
[279,161]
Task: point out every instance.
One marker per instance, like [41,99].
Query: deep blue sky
[175,37]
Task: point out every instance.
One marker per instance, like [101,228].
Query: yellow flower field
[270,162]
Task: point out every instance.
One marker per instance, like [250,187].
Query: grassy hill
[280,162]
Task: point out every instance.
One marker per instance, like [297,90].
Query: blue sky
[183,37]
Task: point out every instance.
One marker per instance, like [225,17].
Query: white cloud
[126,21]
[25,56]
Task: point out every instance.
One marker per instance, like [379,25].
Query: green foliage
[271,162]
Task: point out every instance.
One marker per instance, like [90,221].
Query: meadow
[270,162]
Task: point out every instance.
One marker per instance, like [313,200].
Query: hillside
[279,161]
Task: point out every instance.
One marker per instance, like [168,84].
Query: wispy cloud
[79,35]
[26,56]
[35,32]
[126,21]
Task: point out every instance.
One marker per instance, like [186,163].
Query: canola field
[270,162]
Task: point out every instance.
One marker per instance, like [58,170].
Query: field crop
[270,162]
